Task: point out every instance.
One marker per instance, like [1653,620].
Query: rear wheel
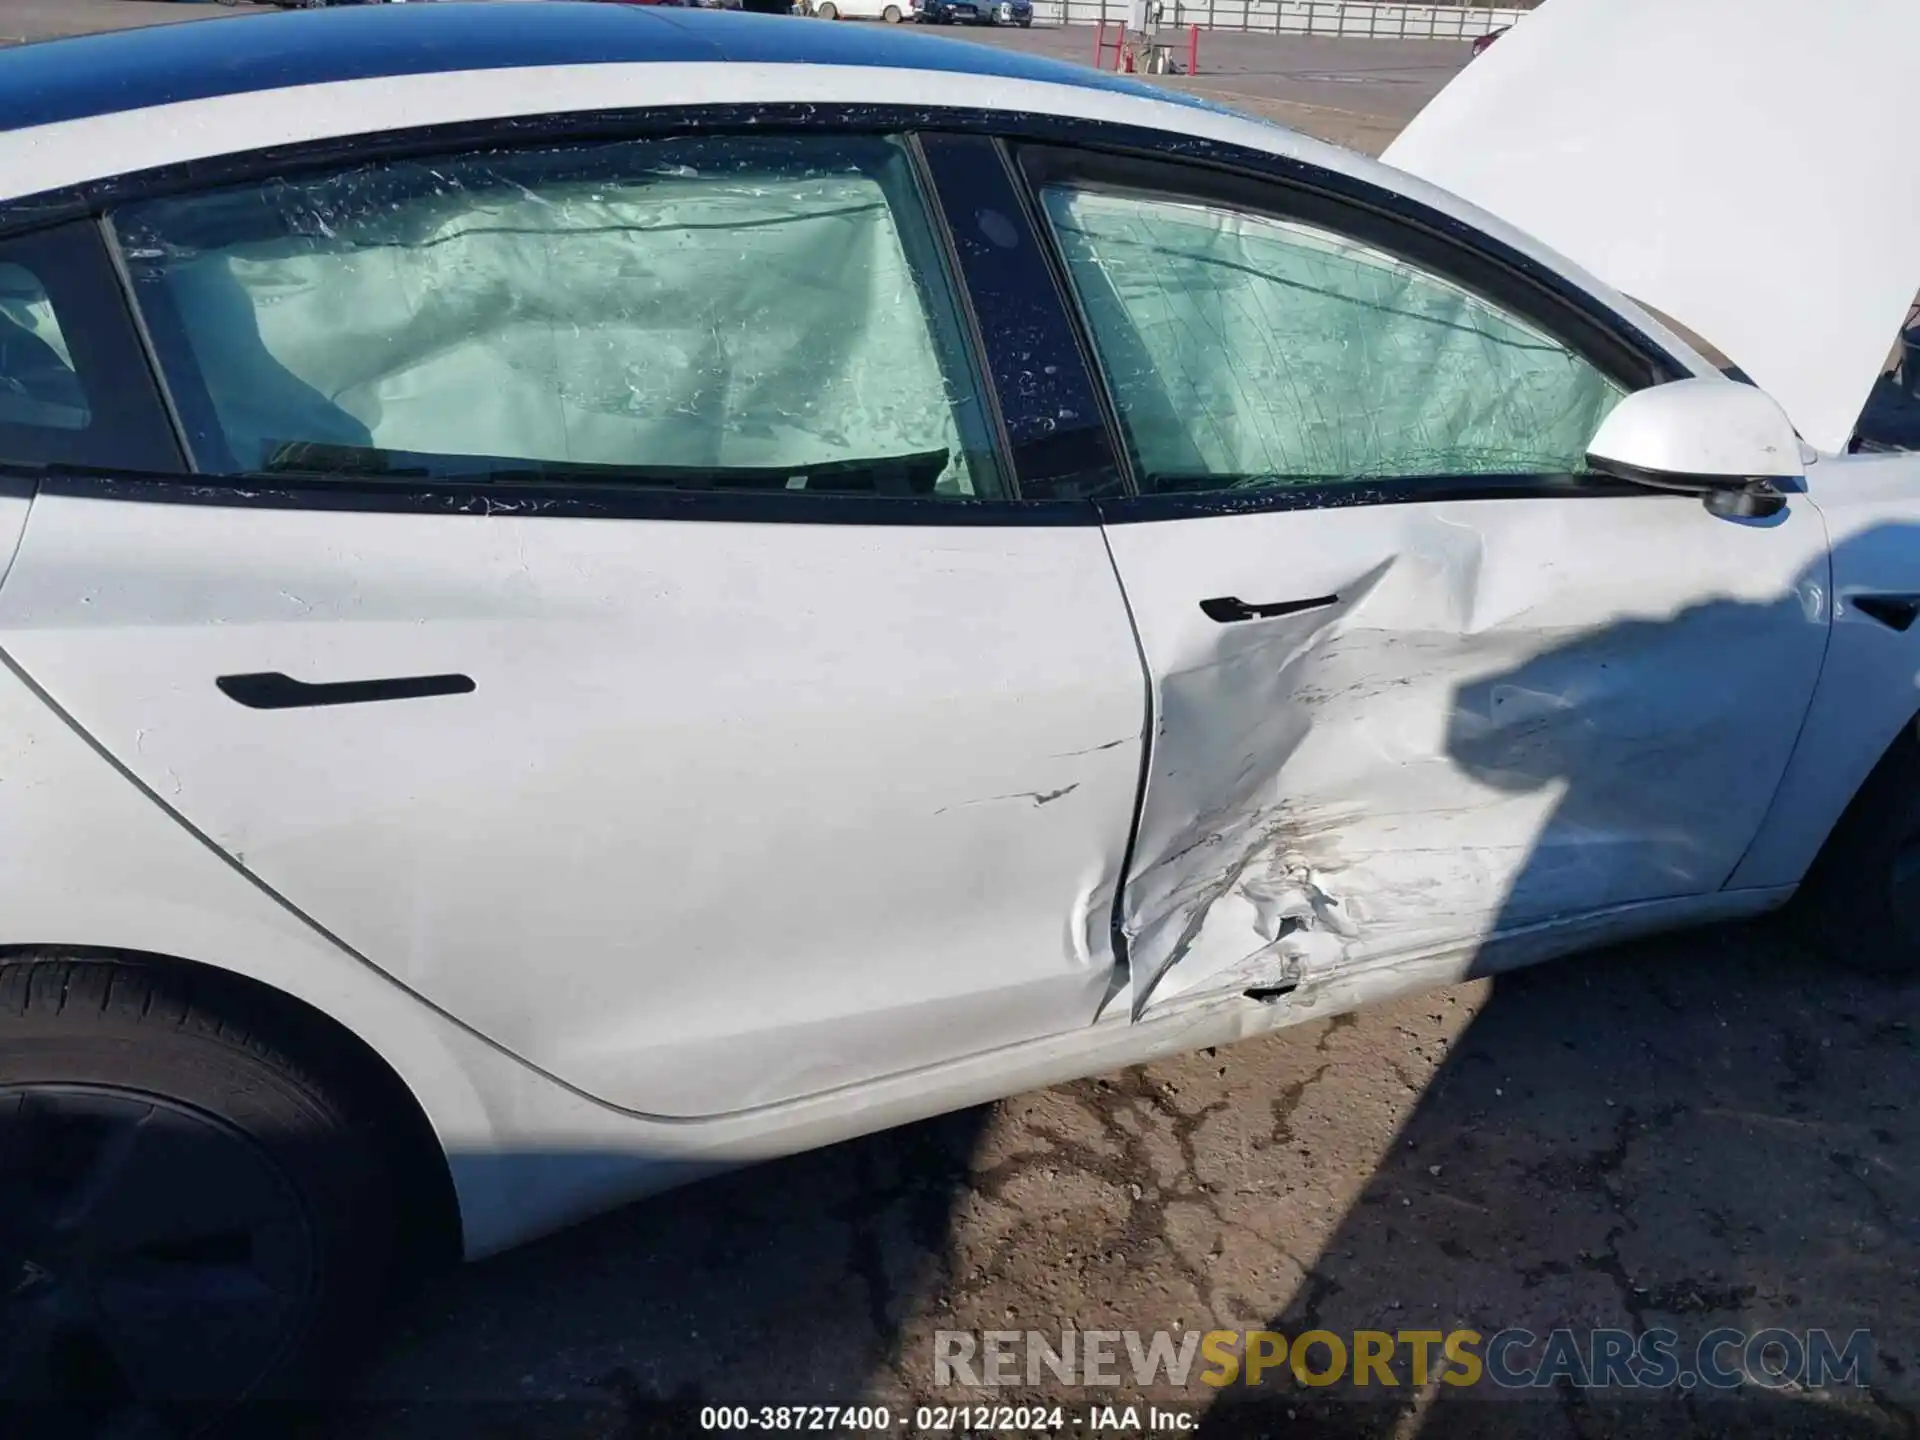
[190,1218]
[827,11]
[1861,901]
[891,14]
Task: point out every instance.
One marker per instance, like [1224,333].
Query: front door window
[1245,351]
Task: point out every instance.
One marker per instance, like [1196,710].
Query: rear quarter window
[39,387]
[75,387]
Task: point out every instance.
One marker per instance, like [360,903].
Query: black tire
[194,1224]
[1861,900]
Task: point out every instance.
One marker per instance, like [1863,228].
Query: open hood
[1749,167]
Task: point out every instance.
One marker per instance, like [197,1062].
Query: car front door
[1420,682]
[604,603]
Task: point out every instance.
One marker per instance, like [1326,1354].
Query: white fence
[1296,17]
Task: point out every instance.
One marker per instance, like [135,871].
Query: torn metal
[1512,712]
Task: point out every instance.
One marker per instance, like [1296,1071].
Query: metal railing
[1297,17]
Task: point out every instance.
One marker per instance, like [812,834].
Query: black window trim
[127,422]
[167,480]
[1039,364]
[972,339]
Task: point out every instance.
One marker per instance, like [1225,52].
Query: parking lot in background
[1705,1131]
[1355,91]
[46,19]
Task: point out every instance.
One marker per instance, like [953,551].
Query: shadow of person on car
[1707,1130]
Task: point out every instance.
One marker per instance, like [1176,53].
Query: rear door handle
[270,690]
[1896,612]
[1226,609]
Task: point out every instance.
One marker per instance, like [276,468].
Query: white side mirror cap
[1697,434]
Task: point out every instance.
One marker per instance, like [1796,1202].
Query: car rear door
[1419,680]
[605,603]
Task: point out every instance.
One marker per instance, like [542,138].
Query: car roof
[91,75]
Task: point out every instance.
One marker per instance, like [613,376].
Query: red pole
[1099,41]
[1193,50]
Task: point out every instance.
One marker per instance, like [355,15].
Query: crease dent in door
[1460,745]
[1248,838]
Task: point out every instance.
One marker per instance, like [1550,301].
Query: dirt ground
[1711,1130]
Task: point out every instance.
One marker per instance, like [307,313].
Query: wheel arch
[1867,698]
[94,864]
[1832,768]
[428,1214]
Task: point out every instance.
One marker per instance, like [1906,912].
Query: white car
[593,594]
[891,11]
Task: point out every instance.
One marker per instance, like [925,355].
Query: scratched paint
[1515,711]
[712,831]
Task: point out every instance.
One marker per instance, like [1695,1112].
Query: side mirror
[1718,439]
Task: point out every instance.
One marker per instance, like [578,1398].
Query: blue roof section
[158,65]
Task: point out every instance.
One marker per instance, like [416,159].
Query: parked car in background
[976,12]
[891,11]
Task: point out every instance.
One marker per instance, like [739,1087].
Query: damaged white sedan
[592,594]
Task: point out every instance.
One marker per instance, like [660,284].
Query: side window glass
[1247,351]
[39,386]
[760,313]
[1891,419]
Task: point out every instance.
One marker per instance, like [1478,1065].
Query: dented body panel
[713,829]
[749,837]
[1505,712]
